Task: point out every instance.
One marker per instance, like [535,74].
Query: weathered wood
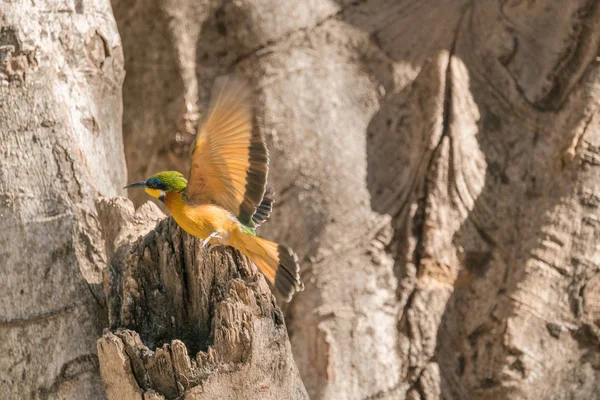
[61,72]
[191,323]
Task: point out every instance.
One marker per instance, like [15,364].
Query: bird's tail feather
[277,262]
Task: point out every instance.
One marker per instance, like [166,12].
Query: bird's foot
[206,241]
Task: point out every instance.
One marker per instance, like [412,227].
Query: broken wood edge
[248,348]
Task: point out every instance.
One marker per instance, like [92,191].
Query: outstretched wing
[263,211]
[230,161]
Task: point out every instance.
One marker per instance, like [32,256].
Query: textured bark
[435,161]
[61,73]
[209,315]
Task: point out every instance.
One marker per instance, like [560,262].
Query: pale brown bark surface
[183,323]
[193,324]
[435,162]
[61,72]
[436,165]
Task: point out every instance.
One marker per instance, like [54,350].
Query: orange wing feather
[229,160]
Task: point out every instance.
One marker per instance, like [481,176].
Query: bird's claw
[206,241]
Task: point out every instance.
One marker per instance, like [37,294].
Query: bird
[225,197]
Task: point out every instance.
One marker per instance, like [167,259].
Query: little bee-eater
[223,200]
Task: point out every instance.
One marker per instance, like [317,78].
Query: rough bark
[209,316]
[61,74]
[437,164]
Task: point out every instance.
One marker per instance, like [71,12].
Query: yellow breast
[199,220]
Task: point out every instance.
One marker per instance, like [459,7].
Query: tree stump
[186,322]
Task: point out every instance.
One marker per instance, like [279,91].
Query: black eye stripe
[156,184]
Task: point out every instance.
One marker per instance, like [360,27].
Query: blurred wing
[229,159]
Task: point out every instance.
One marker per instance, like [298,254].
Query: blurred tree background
[435,164]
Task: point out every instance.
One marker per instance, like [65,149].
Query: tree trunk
[61,73]
[209,315]
[435,162]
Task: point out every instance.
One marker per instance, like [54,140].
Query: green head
[161,183]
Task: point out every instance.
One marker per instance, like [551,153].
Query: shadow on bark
[153,82]
[491,246]
[513,322]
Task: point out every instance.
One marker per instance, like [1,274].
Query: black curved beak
[134,185]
